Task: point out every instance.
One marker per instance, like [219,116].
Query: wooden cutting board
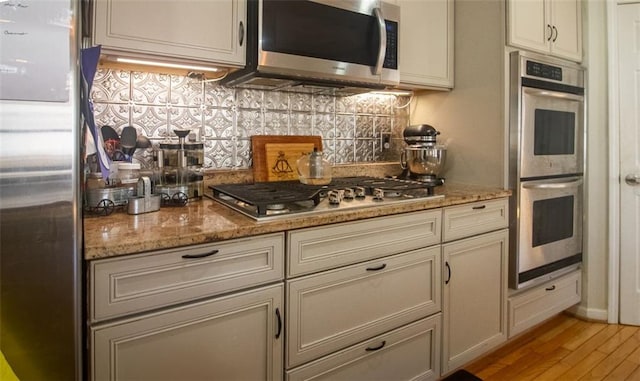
[260,166]
[282,159]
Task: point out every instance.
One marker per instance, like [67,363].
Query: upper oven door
[552,132]
[342,40]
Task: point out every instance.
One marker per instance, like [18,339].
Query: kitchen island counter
[206,221]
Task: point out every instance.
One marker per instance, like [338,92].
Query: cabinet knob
[556,33]
[550,32]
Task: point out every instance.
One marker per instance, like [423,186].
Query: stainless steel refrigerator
[41,292]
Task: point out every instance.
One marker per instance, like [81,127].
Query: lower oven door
[550,228]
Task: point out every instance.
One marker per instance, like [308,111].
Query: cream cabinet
[322,248]
[122,286]
[547,26]
[426,44]
[532,306]
[196,31]
[236,337]
[213,311]
[407,353]
[353,291]
[474,303]
[335,309]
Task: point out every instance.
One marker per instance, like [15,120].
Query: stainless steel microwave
[319,44]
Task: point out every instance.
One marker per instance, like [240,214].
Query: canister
[128,173]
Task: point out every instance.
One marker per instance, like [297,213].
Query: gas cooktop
[279,199]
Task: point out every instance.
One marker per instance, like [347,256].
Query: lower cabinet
[534,305]
[235,337]
[474,298]
[332,310]
[411,352]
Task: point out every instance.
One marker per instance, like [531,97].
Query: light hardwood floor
[566,348]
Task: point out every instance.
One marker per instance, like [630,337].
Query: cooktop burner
[269,200]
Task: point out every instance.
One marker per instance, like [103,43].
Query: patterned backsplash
[224,119]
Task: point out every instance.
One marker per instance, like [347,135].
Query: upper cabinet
[196,31]
[546,26]
[426,44]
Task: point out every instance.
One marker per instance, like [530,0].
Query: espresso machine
[423,158]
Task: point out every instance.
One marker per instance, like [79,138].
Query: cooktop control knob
[349,194]
[378,194]
[334,197]
[359,191]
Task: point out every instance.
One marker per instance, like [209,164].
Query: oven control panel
[537,69]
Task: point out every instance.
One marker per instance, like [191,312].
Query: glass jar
[95,181]
[128,173]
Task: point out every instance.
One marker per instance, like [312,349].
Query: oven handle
[572,182]
[552,94]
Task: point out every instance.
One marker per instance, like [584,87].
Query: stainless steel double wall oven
[546,164]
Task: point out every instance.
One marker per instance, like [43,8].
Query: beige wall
[471,117]
[472,120]
[595,290]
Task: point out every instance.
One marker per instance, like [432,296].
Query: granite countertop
[207,221]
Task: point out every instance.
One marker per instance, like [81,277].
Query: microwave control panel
[391,54]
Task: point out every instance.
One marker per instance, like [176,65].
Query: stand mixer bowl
[424,160]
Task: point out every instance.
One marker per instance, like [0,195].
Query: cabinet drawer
[408,353]
[335,309]
[125,285]
[476,218]
[533,306]
[321,248]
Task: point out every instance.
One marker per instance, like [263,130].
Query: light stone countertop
[206,221]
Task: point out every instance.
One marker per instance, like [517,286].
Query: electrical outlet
[385,140]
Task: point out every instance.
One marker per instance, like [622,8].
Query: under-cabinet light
[165,64]
[400,93]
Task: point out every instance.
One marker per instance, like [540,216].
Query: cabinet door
[529,25]
[338,308]
[238,337]
[197,30]
[475,300]
[426,43]
[567,19]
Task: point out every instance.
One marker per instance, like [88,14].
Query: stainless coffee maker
[423,158]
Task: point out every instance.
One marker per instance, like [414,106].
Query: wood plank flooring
[565,348]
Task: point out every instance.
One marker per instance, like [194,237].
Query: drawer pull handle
[202,255]
[551,288]
[279,323]
[446,264]
[372,349]
[382,266]
[479,207]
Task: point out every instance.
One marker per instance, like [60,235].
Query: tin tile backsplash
[352,128]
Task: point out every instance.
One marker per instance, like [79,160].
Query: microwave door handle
[552,94]
[572,183]
[383,41]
